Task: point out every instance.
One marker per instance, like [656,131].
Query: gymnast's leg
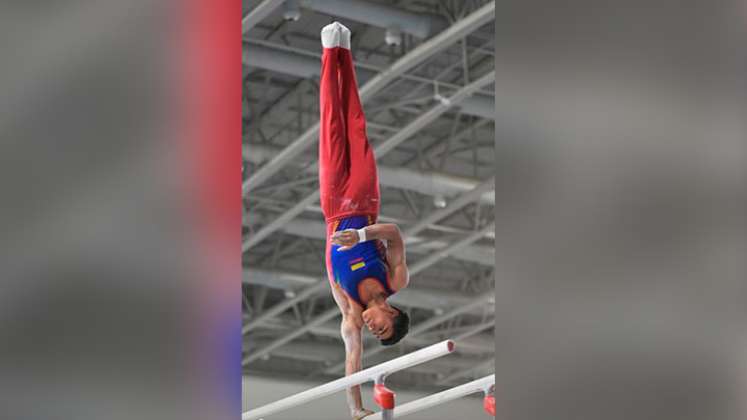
[363,181]
[334,161]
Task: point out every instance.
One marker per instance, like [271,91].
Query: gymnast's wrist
[362,234]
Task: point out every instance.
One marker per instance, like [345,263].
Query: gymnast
[365,259]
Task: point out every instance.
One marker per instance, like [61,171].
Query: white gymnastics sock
[335,35]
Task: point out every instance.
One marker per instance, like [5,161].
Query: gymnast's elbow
[384,231]
[393,232]
[400,277]
[351,334]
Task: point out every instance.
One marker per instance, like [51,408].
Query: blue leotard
[364,260]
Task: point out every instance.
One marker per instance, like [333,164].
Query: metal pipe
[468,344]
[279,221]
[416,297]
[428,183]
[363,70]
[258,14]
[433,46]
[438,43]
[418,24]
[380,150]
[282,62]
[431,115]
[423,327]
[479,106]
[314,229]
[324,317]
[280,59]
[367,375]
[439,255]
[471,196]
[282,306]
[277,279]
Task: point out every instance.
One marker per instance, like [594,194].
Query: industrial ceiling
[426,79]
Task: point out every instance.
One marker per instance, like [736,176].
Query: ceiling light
[439,201]
[291,11]
[393,36]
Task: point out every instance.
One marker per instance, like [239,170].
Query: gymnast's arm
[351,335]
[395,252]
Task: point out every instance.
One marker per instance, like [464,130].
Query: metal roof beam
[482,255]
[282,61]
[421,25]
[435,257]
[424,326]
[259,13]
[417,297]
[434,45]
[468,342]
[428,183]
[477,193]
[380,150]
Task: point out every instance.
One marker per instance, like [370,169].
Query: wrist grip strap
[362,234]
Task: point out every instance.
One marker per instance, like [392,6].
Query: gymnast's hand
[346,239]
[361,413]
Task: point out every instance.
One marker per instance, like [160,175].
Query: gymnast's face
[379,321]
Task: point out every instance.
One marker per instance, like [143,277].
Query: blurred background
[620,240]
[436,167]
[619,206]
[113,257]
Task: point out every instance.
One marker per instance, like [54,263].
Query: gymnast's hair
[400,327]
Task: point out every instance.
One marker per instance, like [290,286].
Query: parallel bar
[440,398]
[421,356]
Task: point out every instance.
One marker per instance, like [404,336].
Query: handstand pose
[362,270]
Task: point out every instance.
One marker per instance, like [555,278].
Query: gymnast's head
[387,322]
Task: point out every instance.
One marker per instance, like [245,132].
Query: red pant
[348,180]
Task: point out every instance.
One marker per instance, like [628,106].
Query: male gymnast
[365,260]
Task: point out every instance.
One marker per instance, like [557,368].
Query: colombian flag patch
[357,263]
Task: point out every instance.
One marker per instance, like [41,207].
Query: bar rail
[373,374]
[479,385]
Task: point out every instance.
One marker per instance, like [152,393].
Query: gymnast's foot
[359,414]
[336,35]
